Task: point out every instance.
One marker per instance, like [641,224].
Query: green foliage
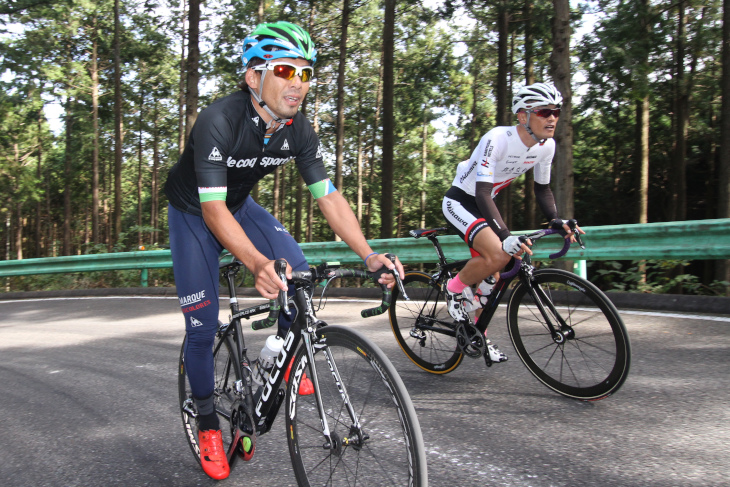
[656,277]
[445,81]
[89,280]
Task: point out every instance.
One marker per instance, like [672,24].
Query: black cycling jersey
[227,154]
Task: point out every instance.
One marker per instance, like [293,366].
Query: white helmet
[536,95]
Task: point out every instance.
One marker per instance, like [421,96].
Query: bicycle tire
[433,351]
[226,373]
[590,365]
[392,455]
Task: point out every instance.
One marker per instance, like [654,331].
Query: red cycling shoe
[305,385]
[213,455]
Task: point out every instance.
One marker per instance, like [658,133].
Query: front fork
[356,429]
[561,333]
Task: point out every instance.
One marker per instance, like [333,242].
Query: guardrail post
[144,276]
[579,267]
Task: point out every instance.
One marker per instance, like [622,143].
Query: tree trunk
[277,186]
[642,152]
[298,211]
[181,88]
[95,124]
[723,207]
[530,204]
[386,178]
[39,176]
[193,63]
[283,195]
[340,137]
[117,124]
[424,168]
[371,165]
[529,44]
[154,183]
[560,67]
[360,151]
[67,165]
[140,148]
[642,116]
[679,182]
[475,69]
[503,99]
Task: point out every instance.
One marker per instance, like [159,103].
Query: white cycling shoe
[495,354]
[453,302]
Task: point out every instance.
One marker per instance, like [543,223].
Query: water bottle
[485,288]
[267,357]
[467,299]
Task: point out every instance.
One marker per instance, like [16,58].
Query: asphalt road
[89,398]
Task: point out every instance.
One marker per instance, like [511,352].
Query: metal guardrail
[690,240]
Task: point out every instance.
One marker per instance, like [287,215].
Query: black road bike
[564,329]
[359,427]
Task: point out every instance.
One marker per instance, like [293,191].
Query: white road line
[724,319]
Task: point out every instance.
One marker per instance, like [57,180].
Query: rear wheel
[422,325]
[588,357]
[226,374]
[375,439]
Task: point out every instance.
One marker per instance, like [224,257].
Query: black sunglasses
[546,112]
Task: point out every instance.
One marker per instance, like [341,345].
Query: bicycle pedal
[246,448]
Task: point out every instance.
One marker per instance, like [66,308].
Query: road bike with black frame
[565,330]
[359,427]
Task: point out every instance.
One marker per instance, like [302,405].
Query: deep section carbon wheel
[586,353]
[375,438]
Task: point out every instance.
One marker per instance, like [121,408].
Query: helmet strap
[526,125]
[257,96]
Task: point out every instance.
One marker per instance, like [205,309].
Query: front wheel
[585,354]
[422,325]
[226,373]
[375,438]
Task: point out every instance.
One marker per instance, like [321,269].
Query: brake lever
[283,298]
[396,274]
[572,224]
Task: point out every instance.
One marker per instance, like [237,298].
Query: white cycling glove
[512,244]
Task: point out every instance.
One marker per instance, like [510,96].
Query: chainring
[471,341]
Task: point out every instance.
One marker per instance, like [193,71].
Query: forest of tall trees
[98,97]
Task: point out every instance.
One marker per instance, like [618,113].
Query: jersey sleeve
[212,135]
[310,163]
[543,166]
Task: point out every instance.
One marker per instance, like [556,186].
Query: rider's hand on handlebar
[267,281]
[570,227]
[515,247]
[378,261]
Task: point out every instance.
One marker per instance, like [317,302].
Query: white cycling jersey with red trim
[500,158]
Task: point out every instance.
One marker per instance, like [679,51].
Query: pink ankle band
[455,285]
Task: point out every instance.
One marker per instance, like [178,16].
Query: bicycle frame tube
[271,395]
[493,300]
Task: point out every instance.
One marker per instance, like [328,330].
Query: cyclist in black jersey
[502,155]
[234,143]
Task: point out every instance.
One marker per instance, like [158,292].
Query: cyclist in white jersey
[502,155]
